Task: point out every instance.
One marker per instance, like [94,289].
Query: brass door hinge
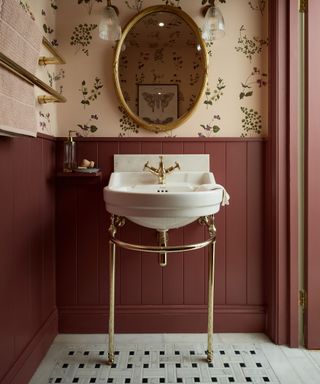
[303,6]
[303,298]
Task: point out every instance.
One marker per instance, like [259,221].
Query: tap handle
[146,165]
[177,165]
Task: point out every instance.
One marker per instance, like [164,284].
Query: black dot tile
[226,365]
[101,353]
[248,379]
[237,352]
[110,380]
[116,353]
[146,352]
[242,365]
[194,365]
[161,353]
[222,353]
[92,380]
[178,365]
[129,366]
[71,353]
[144,380]
[86,353]
[179,380]
[65,366]
[81,365]
[176,352]
[231,379]
[127,381]
[214,379]
[131,353]
[192,352]
[145,365]
[259,365]
[162,380]
[75,380]
[210,365]
[161,365]
[58,380]
[97,365]
[197,379]
[253,352]
[113,365]
[266,379]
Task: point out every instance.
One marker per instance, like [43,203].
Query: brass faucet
[161,172]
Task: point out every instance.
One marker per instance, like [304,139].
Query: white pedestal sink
[185,196]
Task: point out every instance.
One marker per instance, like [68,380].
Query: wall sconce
[109,27]
[213,26]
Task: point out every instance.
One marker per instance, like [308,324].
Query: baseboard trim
[162,319]
[28,361]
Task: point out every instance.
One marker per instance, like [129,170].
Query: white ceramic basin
[184,198]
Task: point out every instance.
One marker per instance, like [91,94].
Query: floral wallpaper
[234,103]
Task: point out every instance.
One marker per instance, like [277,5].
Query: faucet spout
[161,171]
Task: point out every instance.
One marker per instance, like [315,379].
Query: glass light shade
[213,27]
[109,27]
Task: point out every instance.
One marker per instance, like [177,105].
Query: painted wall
[235,102]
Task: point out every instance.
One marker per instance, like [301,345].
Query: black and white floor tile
[160,362]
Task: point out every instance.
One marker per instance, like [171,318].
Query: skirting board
[29,360]
[162,319]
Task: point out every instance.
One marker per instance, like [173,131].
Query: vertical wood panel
[130,265]
[127,147]
[87,244]
[151,147]
[89,151]
[255,226]
[217,152]
[173,273]
[7,280]
[236,224]
[169,147]
[193,147]
[151,271]
[194,266]
[66,244]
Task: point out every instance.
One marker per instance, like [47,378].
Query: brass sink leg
[163,242]
[112,262]
[211,256]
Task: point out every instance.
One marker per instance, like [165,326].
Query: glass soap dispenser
[69,154]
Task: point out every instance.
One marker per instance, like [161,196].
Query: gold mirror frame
[127,29]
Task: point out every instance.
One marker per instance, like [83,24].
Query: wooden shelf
[79,174]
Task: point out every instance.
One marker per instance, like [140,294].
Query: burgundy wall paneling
[312,178]
[28,320]
[171,299]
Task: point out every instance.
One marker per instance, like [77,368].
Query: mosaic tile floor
[158,362]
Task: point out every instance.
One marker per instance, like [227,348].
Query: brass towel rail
[32,79]
[56,57]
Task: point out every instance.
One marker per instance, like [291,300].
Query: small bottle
[69,154]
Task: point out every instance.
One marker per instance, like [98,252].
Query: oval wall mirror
[160,67]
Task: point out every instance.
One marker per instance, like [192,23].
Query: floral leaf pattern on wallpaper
[88,127]
[210,129]
[209,46]
[81,37]
[250,47]
[173,3]
[45,122]
[256,78]
[47,29]
[24,4]
[135,5]
[258,5]
[56,76]
[211,2]
[216,94]
[127,125]
[89,96]
[54,4]
[251,123]
[89,4]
